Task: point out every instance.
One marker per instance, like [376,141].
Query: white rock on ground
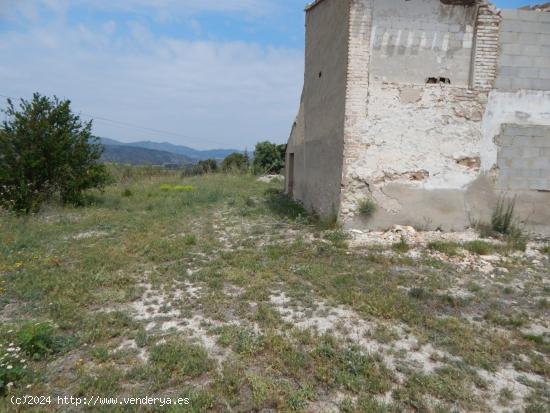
[270,178]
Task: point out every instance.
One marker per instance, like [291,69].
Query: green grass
[338,238]
[402,246]
[178,359]
[480,247]
[449,248]
[242,341]
[71,277]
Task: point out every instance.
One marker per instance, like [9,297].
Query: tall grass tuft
[502,220]
[504,224]
[401,246]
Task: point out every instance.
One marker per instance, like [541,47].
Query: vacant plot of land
[220,290]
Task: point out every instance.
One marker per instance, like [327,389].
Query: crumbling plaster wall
[524,107]
[319,149]
[427,154]
[416,146]
[424,142]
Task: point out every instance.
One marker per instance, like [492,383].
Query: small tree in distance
[46,150]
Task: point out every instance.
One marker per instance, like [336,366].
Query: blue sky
[210,73]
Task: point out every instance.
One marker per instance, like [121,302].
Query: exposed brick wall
[524,157]
[486,51]
[357,87]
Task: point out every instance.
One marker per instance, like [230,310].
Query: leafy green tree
[236,162]
[269,158]
[46,150]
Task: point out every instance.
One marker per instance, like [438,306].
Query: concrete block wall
[524,157]
[429,39]
[524,61]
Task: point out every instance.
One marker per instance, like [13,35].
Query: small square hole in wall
[438,81]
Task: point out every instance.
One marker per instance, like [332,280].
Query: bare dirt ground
[232,296]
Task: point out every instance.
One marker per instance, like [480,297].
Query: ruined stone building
[432,109]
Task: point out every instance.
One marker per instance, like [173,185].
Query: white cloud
[189,6]
[163,10]
[229,93]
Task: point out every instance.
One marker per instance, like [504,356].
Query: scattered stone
[270,178]
[90,234]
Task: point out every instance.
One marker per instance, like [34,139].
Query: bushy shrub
[269,158]
[235,163]
[46,150]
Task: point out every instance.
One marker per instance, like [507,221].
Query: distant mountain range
[539,7]
[155,153]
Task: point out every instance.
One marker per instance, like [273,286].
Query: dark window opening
[438,80]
